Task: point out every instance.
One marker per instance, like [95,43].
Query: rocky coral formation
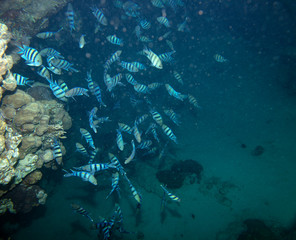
[27,132]
[7,81]
[26,18]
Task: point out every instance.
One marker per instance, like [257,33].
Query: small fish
[50,52]
[22,81]
[43,72]
[173,116]
[158,3]
[137,134]
[97,167]
[81,211]
[58,92]
[92,155]
[125,128]
[155,85]
[174,93]
[119,140]
[154,59]
[178,77]
[78,91]
[117,164]
[141,88]
[220,58]
[145,144]
[80,148]
[144,24]
[169,133]
[170,44]
[139,65]
[115,40]
[145,39]
[82,41]
[141,119]
[136,195]
[171,196]
[131,157]
[167,56]
[183,27]
[99,15]
[157,117]
[114,184]
[63,64]
[86,176]
[87,137]
[31,55]
[129,66]
[164,21]
[192,100]
[45,35]
[57,152]
[70,17]
[92,115]
[130,79]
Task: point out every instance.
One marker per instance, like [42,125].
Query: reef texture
[26,18]
[7,81]
[28,129]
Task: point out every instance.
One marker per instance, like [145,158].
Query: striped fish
[139,65]
[115,40]
[90,83]
[55,70]
[137,134]
[81,211]
[58,92]
[129,66]
[178,77]
[31,55]
[153,86]
[130,79]
[57,152]
[131,157]
[63,85]
[141,119]
[171,196]
[63,64]
[114,184]
[43,72]
[99,15]
[156,117]
[173,116]
[136,195]
[125,128]
[50,52]
[80,148]
[145,24]
[174,93]
[119,140]
[169,133]
[45,35]
[145,144]
[157,3]
[22,81]
[145,39]
[141,88]
[92,155]
[86,176]
[192,100]
[167,57]
[91,117]
[78,91]
[164,21]
[152,129]
[117,164]
[220,58]
[154,59]
[96,167]
[87,137]
[70,17]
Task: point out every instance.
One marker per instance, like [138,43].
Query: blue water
[245,102]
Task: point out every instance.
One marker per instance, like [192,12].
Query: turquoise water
[246,102]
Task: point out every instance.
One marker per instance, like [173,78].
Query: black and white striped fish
[31,55]
[22,81]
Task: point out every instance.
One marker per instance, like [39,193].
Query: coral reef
[7,81]
[27,131]
[26,18]
[175,177]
